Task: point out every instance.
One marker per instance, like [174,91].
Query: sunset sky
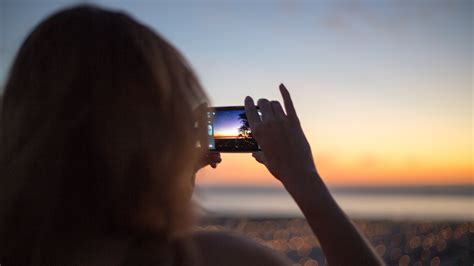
[227,123]
[383,88]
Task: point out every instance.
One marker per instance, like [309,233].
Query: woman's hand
[285,151]
[210,158]
[206,157]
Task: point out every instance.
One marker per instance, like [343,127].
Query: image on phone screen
[229,130]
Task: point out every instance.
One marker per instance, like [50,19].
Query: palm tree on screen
[244,129]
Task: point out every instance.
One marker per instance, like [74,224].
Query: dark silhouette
[244,130]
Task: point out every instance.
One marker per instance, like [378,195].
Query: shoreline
[213,215]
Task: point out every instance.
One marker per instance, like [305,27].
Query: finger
[290,108]
[214,157]
[265,109]
[259,157]
[251,111]
[278,110]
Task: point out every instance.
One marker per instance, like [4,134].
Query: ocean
[430,203]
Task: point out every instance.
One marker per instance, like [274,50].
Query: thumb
[259,157]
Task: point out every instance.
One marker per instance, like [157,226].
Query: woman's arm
[341,242]
[287,155]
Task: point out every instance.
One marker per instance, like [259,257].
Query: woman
[99,152]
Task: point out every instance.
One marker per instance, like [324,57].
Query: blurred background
[383,90]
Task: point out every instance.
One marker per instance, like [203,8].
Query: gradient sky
[227,123]
[383,88]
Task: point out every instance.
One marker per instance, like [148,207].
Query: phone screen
[228,130]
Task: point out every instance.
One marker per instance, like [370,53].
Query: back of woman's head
[97,132]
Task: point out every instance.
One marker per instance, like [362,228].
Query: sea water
[433,203]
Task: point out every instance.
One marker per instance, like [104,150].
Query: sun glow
[228,133]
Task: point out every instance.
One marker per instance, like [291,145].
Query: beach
[423,225]
[397,242]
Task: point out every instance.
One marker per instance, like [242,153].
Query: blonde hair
[97,133]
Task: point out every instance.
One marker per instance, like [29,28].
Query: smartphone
[228,130]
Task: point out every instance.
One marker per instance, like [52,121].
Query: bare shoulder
[217,248]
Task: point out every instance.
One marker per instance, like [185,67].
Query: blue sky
[357,49]
[227,122]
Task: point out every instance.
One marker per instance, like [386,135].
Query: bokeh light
[398,243]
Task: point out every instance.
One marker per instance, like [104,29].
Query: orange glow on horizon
[242,169]
[226,134]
